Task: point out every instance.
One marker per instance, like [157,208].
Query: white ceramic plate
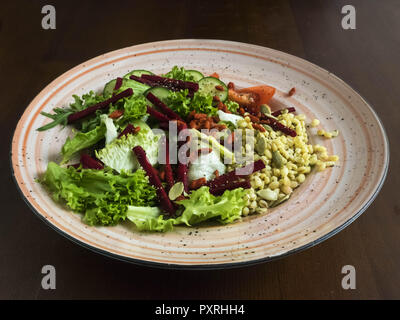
[326,203]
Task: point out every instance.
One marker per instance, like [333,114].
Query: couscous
[288,161]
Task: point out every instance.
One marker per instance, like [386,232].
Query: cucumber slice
[207,86]
[109,88]
[197,75]
[160,92]
[137,87]
[138,73]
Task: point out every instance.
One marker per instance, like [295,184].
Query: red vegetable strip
[182,170]
[128,130]
[165,202]
[118,83]
[158,115]
[89,163]
[163,107]
[231,177]
[219,190]
[144,81]
[101,105]
[169,176]
[164,125]
[276,125]
[279,112]
[172,83]
[180,125]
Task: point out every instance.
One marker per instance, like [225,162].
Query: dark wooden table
[367,58]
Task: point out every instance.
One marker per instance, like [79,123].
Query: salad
[179,148]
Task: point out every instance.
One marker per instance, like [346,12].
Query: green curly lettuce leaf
[180,102]
[101,196]
[183,104]
[232,106]
[200,206]
[135,108]
[179,74]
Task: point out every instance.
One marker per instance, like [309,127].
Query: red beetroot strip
[89,163]
[144,81]
[169,176]
[118,83]
[158,115]
[101,105]
[165,202]
[129,129]
[227,179]
[279,112]
[164,125]
[180,125]
[172,83]
[217,191]
[163,107]
[182,170]
[276,125]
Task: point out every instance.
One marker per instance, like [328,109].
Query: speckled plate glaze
[325,204]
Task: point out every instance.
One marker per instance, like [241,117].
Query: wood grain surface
[366,58]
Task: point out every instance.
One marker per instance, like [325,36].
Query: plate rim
[211,266]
